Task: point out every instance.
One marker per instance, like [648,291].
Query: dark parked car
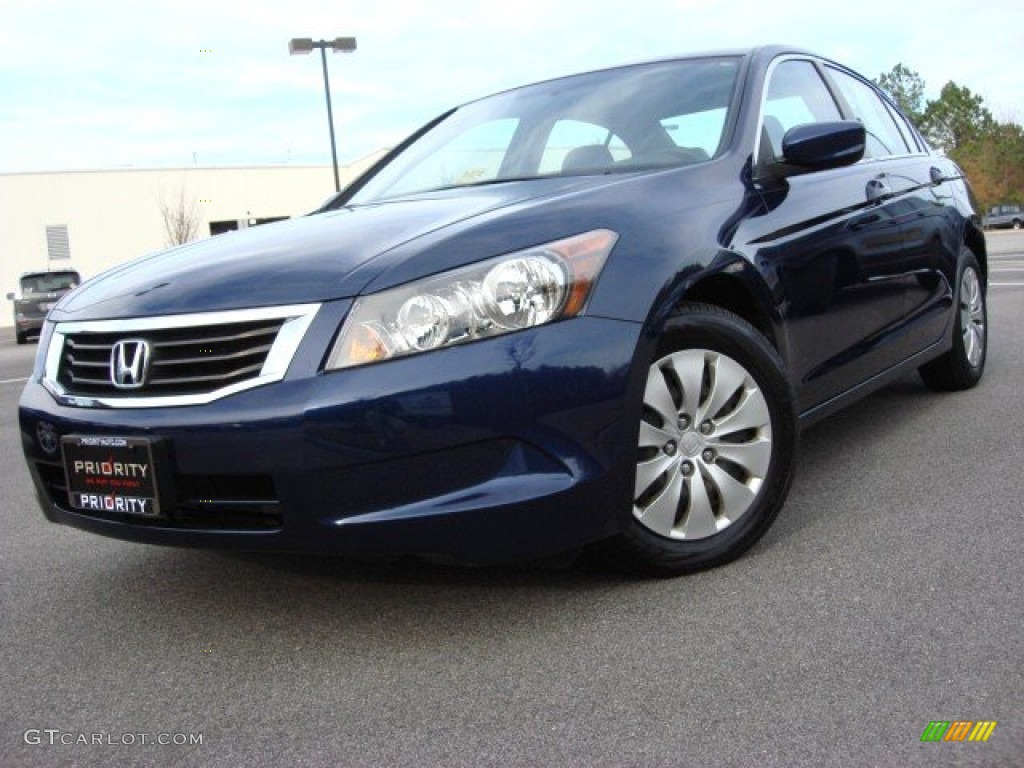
[37,294]
[592,311]
[1005,216]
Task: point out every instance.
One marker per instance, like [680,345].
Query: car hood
[309,259]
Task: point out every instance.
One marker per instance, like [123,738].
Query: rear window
[50,282]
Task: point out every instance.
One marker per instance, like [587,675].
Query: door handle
[876,190]
[862,222]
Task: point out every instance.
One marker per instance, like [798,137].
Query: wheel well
[975,240]
[731,294]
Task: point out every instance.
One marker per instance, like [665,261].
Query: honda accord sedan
[593,312]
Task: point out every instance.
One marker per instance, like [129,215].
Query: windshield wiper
[487,182]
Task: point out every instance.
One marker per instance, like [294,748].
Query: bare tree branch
[181,220]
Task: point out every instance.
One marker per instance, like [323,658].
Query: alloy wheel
[972,316]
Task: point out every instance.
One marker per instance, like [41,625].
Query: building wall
[114,216]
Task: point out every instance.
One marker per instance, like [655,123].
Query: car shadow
[579,567]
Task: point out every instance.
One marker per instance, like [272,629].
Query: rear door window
[883,135]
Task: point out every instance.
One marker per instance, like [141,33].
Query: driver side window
[796,95]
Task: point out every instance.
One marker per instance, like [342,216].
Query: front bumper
[514,447]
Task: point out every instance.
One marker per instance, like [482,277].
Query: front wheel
[962,366]
[715,446]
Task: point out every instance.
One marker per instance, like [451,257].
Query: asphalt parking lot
[887,595]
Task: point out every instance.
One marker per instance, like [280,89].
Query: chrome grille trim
[295,318]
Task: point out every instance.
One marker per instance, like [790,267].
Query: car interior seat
[590,157]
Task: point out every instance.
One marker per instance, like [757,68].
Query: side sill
[876,382]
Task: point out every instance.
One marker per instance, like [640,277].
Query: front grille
[183,361]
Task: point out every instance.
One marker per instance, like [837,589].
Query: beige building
[93,220]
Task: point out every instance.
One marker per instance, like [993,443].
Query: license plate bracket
[112,474]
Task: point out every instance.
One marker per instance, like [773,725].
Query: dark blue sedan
[594,311]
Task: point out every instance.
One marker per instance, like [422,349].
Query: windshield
[49,282]
[645,116]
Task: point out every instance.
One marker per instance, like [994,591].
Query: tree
[906,88]
[181,220]
[991,153]
[995,165]
[956,118]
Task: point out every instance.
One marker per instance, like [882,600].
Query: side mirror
[10,296]
[821,146]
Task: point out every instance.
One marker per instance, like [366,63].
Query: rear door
[918,187]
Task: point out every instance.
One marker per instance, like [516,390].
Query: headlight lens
[509,293]
[522,292]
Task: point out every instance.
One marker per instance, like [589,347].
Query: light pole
[305,45]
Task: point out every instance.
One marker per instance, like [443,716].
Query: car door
[830,244]
[918,188]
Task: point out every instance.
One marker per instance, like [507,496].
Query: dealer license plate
[111,474]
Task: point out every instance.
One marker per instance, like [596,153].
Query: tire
[963,365]
[1016,223]
[22,337]
[715,446]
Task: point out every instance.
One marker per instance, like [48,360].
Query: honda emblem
[129,363]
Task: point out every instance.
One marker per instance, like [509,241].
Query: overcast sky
[146,83]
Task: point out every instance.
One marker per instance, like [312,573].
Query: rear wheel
[962,366]
[22,337]
[715,445]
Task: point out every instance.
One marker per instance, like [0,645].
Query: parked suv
[38,292]
[999,216]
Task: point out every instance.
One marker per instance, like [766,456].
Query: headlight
[509,293]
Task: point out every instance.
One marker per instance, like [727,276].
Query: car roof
[756,53]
